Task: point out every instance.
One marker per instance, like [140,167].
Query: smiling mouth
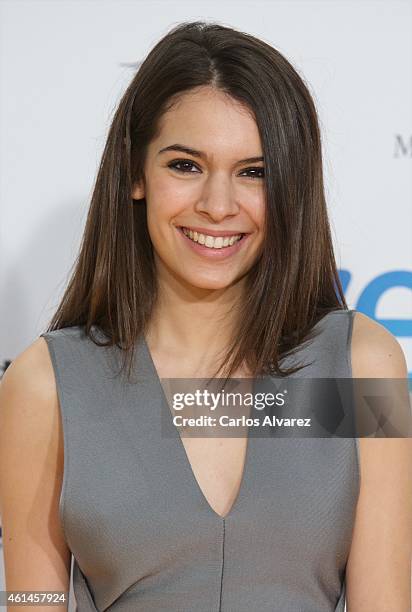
[211,242]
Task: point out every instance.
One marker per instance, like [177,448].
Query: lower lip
[222,253]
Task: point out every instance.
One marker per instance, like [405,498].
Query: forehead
[212,121]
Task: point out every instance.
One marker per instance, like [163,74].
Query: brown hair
[294,282]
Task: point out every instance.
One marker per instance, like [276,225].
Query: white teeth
[212,242]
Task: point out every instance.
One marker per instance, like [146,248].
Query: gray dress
[142,534]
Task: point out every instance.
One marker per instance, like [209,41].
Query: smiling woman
[216,201]
[207,251]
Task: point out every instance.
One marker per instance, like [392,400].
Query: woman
[207,251]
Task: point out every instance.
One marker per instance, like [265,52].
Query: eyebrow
[195,153]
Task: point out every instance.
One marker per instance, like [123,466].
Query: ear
[138,191]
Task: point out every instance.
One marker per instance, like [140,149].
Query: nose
[217,199]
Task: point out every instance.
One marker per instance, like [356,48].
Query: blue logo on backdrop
[372,293]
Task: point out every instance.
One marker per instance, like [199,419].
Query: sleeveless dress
[142,534]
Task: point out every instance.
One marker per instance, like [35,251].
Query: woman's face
[201,173]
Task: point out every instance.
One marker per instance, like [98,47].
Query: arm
[378,573]
[36,556]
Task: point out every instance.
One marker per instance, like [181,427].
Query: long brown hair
[294,282]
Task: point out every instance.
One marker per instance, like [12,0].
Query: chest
[137,501]
[218,466]
[217,463]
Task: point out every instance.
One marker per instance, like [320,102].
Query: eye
[259,172]
[182,162]
[183,166]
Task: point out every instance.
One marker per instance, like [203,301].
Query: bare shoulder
[28,386]
[378,569]
[31,470]
[375,352]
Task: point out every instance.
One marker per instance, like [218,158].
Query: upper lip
[210,232]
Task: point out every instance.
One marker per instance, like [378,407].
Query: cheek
[256,210]
[161,213]
[161,207]
[167,200]
[166,189]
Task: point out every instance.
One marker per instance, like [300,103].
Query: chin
[209,283]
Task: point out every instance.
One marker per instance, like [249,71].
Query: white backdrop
[64,66]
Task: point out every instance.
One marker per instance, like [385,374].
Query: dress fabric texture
[143,535]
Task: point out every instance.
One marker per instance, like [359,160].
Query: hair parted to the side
[295,281]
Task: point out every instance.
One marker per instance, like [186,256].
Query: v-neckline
[183,457]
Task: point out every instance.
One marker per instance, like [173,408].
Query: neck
[193,325]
